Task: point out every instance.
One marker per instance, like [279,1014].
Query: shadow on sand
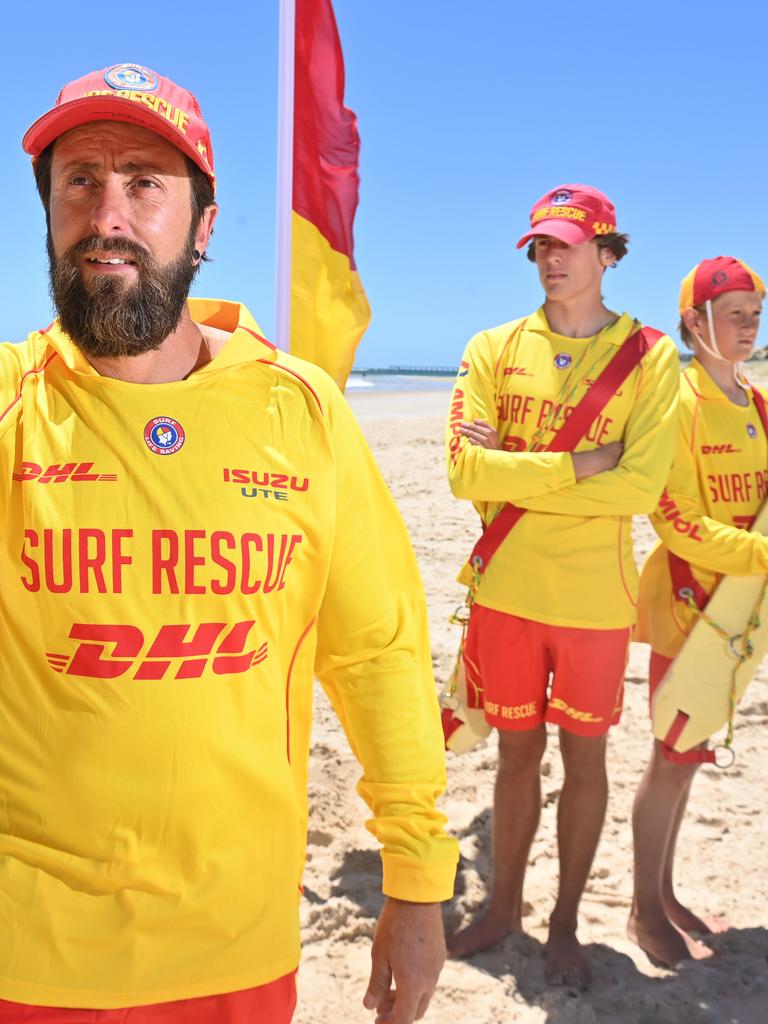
[729,988]
[723,990]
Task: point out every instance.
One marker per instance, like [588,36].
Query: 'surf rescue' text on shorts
[511,660]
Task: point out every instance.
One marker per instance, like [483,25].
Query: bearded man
[193,526]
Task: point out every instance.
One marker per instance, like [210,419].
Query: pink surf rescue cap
[717,276]
[136,95]
[573,214]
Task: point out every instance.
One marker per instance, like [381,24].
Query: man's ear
[205,227]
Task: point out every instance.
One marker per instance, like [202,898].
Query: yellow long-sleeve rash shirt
[718,482]
[569,560]
[175,561]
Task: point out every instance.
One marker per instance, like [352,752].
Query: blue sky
[468,113]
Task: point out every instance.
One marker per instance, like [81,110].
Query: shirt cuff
[421,881]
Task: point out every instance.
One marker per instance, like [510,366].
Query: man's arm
[482,473]
[634,486]
[374,662]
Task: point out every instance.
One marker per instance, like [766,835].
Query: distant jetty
[759,355]
[407,371]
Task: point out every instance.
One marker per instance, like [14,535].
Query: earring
[196,253]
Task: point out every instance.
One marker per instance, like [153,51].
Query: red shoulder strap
[570,433]
[684,583]
[607,384]
[762,412]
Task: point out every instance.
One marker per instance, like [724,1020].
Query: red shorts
[657,666]
[657,669]
[511,659]
[268,1004]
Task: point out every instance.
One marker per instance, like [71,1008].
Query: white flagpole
[285,171]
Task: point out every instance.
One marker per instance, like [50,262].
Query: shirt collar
[702,384]
[245,345]
[615,334]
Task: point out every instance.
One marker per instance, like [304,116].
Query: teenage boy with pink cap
[562,428]
[718,482]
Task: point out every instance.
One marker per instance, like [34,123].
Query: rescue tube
[693,700]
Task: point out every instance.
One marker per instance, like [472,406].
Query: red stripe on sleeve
[279,366]
[258,337]
[29,373]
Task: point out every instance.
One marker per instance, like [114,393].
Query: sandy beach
[723,849]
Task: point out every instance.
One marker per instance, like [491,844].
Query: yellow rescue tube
[698,682]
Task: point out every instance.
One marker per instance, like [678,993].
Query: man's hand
[409,949]
[599,460]
[481,433]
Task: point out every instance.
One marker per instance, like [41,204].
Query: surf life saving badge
[563,360]
[752,430]
[164,435]
[131,76]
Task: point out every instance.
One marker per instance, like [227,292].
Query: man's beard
[107,317]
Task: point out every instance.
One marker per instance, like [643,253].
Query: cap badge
[719,277]
[131,76]
[562,197]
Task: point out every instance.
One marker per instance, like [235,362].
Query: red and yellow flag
[329,308]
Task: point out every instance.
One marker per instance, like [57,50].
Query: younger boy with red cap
[558,597]
[716,487]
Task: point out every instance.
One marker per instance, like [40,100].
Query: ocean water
[397,382]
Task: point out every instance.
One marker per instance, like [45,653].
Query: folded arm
[634,486]
[487,474]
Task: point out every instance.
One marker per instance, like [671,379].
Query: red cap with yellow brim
[715,277]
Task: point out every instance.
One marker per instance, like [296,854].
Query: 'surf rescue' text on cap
[136,95]
[573,214]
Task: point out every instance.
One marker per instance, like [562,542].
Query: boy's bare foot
[662,943]
[565,960]
[486,930]
[687,921]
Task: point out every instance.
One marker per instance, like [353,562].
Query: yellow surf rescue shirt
[569,560]
[718,483]
[176,561]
